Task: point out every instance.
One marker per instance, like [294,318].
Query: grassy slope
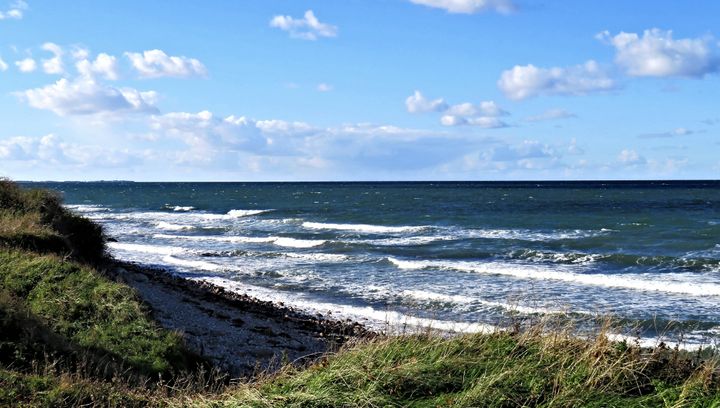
[61,320]
[50,305]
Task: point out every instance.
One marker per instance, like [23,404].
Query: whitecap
[146,249]
[202,265]
[173,227]
[280,241]
[364,228]
[555,273]
[180,208]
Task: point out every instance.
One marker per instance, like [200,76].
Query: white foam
[280,241]
[172,227]
[86,208]
[181,208]
[364,228]
[435,297]
[244,213]
[377,318]
[555,273]
[405,241]
[202,265]
[460,299]
[297,243]
[652,342]
[146,249]
[530,235]
[315,257]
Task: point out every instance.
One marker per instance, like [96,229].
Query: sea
[453,256]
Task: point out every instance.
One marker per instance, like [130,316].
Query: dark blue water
[446,254]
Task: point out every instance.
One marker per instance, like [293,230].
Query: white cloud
[417,103]
[3,65]
[15,11]
[526,81]
[306,28]
[630,158]
[485,114]
[156,64]
[53,65]
[485,122]
[323,87]
[657,54]
[551,114]
[484,108]
[51,150]
[84,96]
[26,65]
[469,6]
[104,65]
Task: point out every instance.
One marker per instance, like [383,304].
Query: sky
[331,90]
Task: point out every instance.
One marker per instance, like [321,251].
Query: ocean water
[462,256]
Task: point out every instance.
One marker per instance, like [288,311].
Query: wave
[86,208]
[315,257]
[364,228]
[535,272]
[179,208]
[173,227]
[382,319]
[532,235]
[147,249]
[201,265]
[435,297]
[280,241]
[700,260]
[423,295]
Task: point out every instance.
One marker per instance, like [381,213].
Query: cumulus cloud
[157,64]
[15,11]
[306,28]
[26,65]
[657,54]
[469,6]
[551,114]
[630,157]
[525,81]
[3,65]
[53,151]
[85,96]
[418,103]
[53,65]
[485,114]
[104,65]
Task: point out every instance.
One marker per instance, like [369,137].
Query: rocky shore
[241,335]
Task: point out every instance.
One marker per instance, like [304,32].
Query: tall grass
[35,219]
[529,369]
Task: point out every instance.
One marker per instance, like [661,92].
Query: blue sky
[359,90]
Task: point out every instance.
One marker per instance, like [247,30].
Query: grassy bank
[71,336]
[68,332]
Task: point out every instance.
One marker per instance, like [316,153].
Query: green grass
[487,370]
[90,311]
[51,391]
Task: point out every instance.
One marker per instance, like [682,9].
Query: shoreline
[241,335]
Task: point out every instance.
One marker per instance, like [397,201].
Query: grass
[70,336]
[92,312]
[487,370]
